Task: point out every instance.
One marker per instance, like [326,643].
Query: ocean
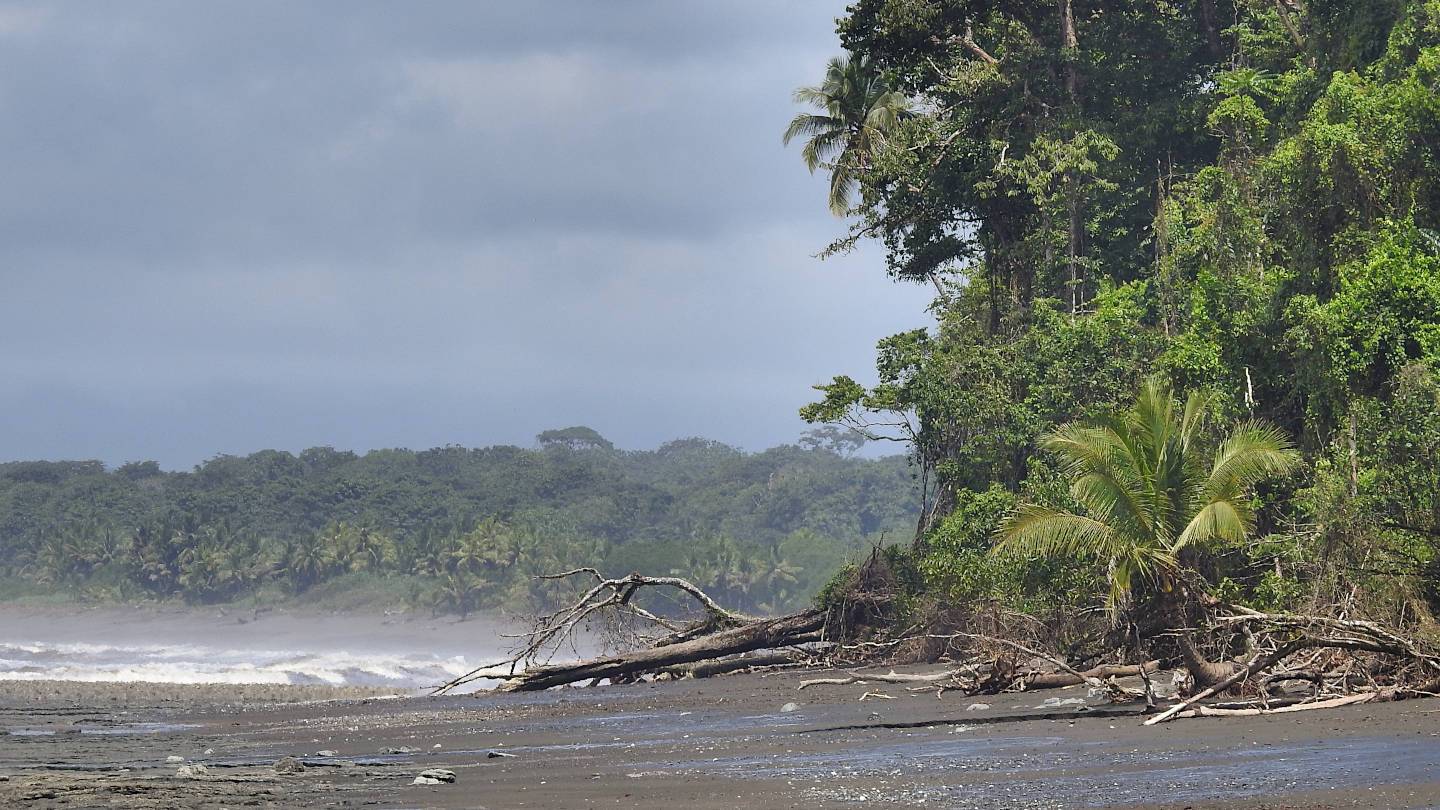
[211,646]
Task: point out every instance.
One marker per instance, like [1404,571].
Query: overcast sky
[233,226]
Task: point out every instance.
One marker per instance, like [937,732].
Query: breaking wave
[194,663]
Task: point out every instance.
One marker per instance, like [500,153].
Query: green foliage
[1242,197]
[858,111]
[1148,498]
[453,529]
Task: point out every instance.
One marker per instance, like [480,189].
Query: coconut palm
[858,110]
[1150,498]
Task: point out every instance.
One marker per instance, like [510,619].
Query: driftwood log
[757,635]
[718,634]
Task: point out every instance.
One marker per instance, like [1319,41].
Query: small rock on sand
[978,707]
[192,771]
[327,753]
[288,765]
[400,749]
[498,754]
[434,776]
[790,707]
[172,759]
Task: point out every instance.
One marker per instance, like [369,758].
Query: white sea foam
[192,663]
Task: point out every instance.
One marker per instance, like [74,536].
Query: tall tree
[858,111]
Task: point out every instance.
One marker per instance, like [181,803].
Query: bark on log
[723,666]
[758,635]
[1059,680]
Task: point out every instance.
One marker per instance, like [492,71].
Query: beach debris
[288,765]
[662,644]
[789,707]
[327,753]
[193,770]
[400,749]
[436,746]
[173,759]
[1055,703]
[498,754]
[978,707]
[434,776]
[209,752]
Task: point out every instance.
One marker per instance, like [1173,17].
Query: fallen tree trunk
[1060,680]
[724,666]
[760,634]
[1052,680]
[1332,703]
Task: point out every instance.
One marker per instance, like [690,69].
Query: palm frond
[1197,405]
[842,183]
[1039,531]
[805,124]
[820,149]
[1113,503]
[1251,453]
[1222,520]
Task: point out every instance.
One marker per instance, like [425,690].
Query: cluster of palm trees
[457,568]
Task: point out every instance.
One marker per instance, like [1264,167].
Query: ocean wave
[196,664]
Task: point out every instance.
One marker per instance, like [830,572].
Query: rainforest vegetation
[453,529]
[1187,276]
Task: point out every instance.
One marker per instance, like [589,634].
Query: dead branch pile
[1343,661]
[1335,661]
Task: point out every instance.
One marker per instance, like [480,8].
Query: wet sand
[721,743]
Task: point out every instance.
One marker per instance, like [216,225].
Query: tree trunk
[1069,43]
[757,635]
[1211,30]
[1204,672]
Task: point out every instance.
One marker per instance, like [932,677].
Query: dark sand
[721,743]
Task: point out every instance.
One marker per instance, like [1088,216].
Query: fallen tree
[718,633]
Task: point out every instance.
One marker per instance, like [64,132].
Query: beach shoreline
[717,743]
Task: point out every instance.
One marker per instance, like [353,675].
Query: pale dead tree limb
[889,677]
[1332,703]
[609,597]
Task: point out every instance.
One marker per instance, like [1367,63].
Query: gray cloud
[227,226]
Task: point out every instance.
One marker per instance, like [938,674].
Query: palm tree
[1150,500]
[858,111]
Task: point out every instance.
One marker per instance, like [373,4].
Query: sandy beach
[720,743]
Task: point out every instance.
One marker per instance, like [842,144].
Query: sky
[230,226]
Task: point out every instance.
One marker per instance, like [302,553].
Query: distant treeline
[454,528]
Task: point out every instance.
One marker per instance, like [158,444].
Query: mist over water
[191,647]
